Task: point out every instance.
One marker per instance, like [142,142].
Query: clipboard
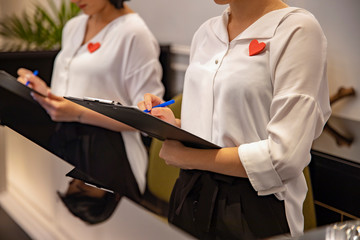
[144,122]
[7,82]
[21,113]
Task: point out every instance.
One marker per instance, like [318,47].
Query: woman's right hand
[34,82]
[164,113]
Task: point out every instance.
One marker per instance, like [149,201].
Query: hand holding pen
[31,80]
[153,104]
[164,104]
[35,73]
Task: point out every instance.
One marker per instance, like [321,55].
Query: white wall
[175,21]
[9,7]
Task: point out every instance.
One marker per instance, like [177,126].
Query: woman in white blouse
[107,53]
[256,85]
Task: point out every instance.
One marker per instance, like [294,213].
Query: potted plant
[32,41]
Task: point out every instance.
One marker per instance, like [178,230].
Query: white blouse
[271,105]
[123,68]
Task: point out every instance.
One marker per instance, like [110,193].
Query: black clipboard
[144,122]
[7,82]
[21,113]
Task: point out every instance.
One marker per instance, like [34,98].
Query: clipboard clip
[102,101]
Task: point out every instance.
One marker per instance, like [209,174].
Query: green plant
[41,31]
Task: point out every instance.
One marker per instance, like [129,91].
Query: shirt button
[216,61]
[195,208]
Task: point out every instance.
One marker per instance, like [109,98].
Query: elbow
[291,167]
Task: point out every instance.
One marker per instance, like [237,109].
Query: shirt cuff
[255,158]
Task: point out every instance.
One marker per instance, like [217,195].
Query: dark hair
[89,209]
[118,3]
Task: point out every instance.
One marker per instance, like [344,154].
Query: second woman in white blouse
[108,53]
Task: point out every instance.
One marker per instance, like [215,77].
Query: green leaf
[40,31]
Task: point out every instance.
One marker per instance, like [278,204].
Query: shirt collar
[264,27]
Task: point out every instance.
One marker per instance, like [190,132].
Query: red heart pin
[255,47]
[92,47]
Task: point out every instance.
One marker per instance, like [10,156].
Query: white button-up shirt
[271,105]
[123,69]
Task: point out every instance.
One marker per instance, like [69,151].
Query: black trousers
[215,206]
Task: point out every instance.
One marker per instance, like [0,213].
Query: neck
[109,13]
[244,13]
[253,9]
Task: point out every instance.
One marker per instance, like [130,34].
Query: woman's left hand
[59,108]
[173,152]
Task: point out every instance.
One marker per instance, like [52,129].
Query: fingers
[23,71]
[43,101]
[141,105]
[24,75]
[165,114]
[151,100]
[22,80]
[27,75]
[170,152]
[49,103]
[26,79]
[148,101]
[51,96]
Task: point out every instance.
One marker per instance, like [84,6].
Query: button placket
[195,208]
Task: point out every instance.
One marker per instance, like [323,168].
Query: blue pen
[36,72]
[164,104]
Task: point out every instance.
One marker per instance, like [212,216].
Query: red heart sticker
[255,47]
[92,47]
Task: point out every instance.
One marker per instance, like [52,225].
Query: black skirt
[215,206]
[99,153]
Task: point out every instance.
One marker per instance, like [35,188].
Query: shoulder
[208,30]
[137,35]
[133,25]
[132,33]
[209,25]
[215,27]
[298,27]
[74,23]
[300,20]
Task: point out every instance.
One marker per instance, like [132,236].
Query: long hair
[118,3]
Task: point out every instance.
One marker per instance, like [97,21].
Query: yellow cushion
[309,207]
[160,176]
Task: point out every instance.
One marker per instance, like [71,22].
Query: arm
[63,110]
[225,160]
[299,107]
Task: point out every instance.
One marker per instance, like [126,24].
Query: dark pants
[214,206]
